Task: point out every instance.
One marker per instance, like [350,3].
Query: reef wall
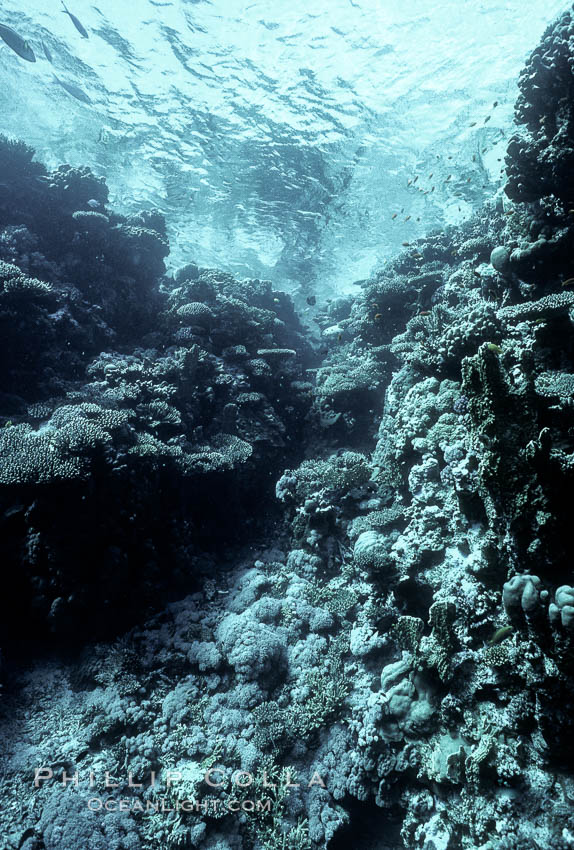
[142,418]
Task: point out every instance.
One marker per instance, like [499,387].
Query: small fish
[468,181]
[378,316]
[311,300]
[78,24]
[18,44]
[47,53]
[448,178]
[415,180]
[409,182]
[431,174]
[474,157]
[432,190]
[568,282]
[93,204]
[570,212]
[339,337]
[495,104]
[492,346]
[500,634]
[473,124]
[276,301]
[424,313]
[407,218]
[74,90]
[484,150]
[394,216]
[487,118]
[375,305]
[406,244]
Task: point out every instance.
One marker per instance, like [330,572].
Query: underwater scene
[286,425]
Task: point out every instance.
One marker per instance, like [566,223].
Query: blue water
[278,138]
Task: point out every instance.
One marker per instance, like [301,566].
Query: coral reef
[199,413]
[384,659]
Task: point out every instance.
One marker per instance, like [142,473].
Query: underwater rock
[500,258]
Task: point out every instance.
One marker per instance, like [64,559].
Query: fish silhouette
[74,90]
[18,44]
[77,23]
[47,53]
